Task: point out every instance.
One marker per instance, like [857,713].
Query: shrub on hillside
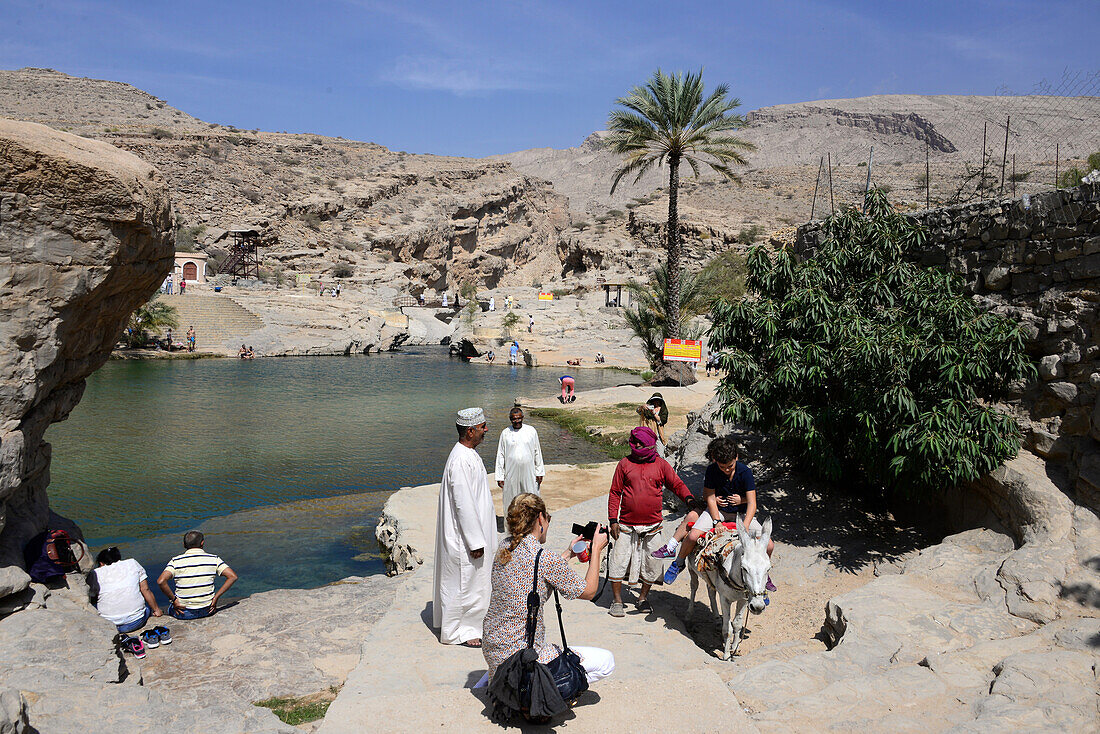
[869,368]
[342,271]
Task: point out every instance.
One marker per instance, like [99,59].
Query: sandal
[472,643]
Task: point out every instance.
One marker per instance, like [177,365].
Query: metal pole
[832,209]
[1004,158]
[867,186]
[817,182]
[981,181]
[927,179]
[1056,165]
[1013,175]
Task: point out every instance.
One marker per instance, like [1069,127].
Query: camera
[589,531]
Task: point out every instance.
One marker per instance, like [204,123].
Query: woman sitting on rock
[505,627]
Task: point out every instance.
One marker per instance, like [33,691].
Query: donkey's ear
[742,533]
[767,529]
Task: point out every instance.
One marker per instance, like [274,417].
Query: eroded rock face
[85,238]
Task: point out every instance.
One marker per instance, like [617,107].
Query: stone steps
[221,324]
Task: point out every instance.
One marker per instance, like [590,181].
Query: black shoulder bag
[524,685]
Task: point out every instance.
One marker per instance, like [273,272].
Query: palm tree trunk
[672,328]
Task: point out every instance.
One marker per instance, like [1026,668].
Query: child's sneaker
[133,646]
[150,638]
[663,552]
[165,636]
[673,571]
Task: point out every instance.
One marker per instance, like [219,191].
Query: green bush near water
[870,369]
[577,422]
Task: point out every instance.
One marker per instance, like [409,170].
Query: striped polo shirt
[194,572]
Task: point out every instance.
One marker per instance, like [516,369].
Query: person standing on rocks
[530,323]
[492,303]
[519,466]
[194,572]
[634,511]
[465,527]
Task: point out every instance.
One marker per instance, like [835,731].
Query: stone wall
[1036,259]
[85,238]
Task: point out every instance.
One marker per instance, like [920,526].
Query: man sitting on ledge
[194,571]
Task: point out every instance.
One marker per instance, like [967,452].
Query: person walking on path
[194,572]
[530,323]
[465,527]
[183,286]
[634,512]
[513,571]
[191,338]
[519,466]
[568,395]
[492,303]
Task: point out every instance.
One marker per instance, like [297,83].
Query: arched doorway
[190,271]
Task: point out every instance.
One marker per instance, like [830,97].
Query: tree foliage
[650,316]
[871,369]
[671,120]
[152,316]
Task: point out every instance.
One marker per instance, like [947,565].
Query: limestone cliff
[85,237]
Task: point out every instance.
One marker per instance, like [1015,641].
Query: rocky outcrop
[84,239]
[910,125]
[983,630]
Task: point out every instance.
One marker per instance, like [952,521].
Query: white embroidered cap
[471,417]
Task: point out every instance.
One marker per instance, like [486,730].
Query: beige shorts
[630,558]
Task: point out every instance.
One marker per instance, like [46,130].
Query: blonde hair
[523,514]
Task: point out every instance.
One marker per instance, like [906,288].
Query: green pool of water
[284,463]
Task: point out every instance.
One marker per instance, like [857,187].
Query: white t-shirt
[120,599]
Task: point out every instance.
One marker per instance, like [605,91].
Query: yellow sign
[683,350]
[546,296]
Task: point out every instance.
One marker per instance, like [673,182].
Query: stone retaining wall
[1036,259]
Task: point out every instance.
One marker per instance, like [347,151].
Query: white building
[190,266]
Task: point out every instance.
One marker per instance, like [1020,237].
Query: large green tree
[870,368]
[670,120]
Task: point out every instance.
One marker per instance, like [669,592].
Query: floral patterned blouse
[505,626]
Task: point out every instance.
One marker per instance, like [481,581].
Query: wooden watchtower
[243,260]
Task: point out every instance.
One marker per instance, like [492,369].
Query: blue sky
[475,78]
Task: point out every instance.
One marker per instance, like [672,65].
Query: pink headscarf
[643,445]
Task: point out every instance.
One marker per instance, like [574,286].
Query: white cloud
[457,76]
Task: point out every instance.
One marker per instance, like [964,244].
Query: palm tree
[152,316]
[649,318]
[670,120]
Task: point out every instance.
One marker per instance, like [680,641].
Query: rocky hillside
[399,223]
[779,181]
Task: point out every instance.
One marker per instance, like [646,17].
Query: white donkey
[738,574]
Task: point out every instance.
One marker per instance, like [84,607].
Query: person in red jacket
[634,512]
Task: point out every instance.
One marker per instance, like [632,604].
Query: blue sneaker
[673,571]
[164,634]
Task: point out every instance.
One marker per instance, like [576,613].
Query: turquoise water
[284,463]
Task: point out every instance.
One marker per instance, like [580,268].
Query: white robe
[466,521]
[519,461]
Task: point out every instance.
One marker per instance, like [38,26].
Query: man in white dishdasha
[519,466]
[465,528]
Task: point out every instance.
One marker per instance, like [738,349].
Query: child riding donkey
[729,490]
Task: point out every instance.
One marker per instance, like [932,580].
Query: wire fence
[1003,145]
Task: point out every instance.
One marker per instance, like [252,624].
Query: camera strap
[533,603]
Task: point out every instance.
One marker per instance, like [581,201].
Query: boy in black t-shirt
[728,489]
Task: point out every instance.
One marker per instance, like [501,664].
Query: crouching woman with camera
[515,574]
